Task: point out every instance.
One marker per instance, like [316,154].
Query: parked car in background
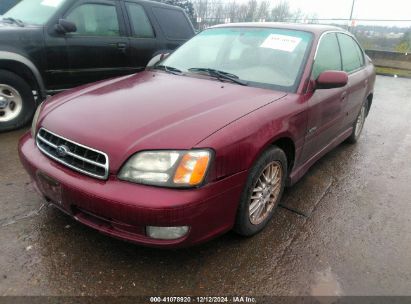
[5,5]
[50,45]
[204,141]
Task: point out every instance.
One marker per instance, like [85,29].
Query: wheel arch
[288,146]
[285,143]
[24,68]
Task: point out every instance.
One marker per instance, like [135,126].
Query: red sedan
[206,139]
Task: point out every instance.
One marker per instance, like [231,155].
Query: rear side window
[173,23]
[95,20]
[328,55]
[141,24]
[352,56]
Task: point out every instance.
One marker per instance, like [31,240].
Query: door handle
[121,45]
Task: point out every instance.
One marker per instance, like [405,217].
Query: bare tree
[281,12]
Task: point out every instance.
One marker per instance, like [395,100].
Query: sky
[363,9]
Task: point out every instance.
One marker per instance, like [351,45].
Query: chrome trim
[105,166]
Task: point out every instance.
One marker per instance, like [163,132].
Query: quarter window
[139,21]
[173,22]
[352,56]
[95,20]
[328,55]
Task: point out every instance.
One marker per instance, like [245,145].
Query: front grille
[73,155]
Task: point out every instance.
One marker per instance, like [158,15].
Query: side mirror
[65,26]
[331,80]
[156,59]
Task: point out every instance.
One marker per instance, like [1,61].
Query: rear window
[173,23]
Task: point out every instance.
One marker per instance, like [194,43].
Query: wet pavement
[349,233]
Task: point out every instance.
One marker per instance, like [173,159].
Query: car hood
[149,110]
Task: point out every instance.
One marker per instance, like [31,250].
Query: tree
[404,45]
[281,12]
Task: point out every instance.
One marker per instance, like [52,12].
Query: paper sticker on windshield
[53,3]
[281,42]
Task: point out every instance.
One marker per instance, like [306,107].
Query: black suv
[50,45]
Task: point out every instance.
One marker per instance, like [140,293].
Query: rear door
[174,25]
[325,107]
[353,63]
[143,37]
[100,48]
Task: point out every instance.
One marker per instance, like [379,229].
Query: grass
[393,71]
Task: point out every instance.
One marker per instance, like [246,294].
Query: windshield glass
[263,57]
[34,11]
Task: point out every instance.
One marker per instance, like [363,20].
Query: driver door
[99,49]
[325,107]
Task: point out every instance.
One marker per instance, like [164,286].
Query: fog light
[166,233]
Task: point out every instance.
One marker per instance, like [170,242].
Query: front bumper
[123,210]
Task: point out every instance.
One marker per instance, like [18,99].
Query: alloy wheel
[265,192]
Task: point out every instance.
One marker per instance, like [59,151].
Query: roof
[314,28]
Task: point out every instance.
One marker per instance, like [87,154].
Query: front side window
[95,20]
[263,57]
[139,20]
[35,12]
[328,55]
[352,56]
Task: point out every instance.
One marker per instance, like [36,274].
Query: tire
[17,104]
[358,124]
[248,221]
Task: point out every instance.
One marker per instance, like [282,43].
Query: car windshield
[34,11]
[261,57]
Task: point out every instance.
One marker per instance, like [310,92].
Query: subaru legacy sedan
[204,140]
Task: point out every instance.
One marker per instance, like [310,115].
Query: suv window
[328,55]
[173,23]
[95,20]
[352,56]
[140,23]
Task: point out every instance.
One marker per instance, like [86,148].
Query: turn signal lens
[192,168]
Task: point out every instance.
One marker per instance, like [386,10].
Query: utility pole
[352,11]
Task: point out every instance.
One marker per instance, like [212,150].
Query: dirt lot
[349,233]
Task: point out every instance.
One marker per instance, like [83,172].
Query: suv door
[143,42]
[325,107]
[99,48]
[353,63]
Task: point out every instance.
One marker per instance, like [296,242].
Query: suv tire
[17,104]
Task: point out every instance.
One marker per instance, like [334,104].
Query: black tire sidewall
[243,226]
[353,139]
[28,101]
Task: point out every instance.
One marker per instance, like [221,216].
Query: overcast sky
[363,9]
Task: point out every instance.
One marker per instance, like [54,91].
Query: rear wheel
[262,193]
[17,103]
[358,124]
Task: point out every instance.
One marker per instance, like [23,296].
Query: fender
[17,57]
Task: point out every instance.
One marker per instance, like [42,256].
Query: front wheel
[262,193]
[17,103]
[358,124]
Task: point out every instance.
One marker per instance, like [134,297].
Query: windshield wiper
[220,75]
[168,69]
[15,21]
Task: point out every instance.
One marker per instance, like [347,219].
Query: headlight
[35,120]
[167,168]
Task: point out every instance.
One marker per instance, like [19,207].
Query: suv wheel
[262,193]
[17,103]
